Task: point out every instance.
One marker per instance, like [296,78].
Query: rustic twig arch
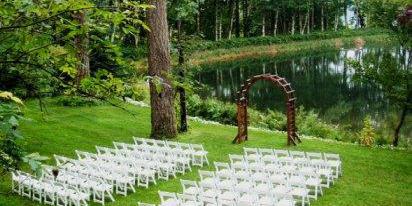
[242,103]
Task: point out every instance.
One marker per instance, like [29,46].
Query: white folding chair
[207,178]
[190,187]
[188,200]
[199,155]
[223,169]
[168,199]
[335,163]
[252,153]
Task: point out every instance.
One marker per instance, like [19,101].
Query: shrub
[138,91]
[367,135]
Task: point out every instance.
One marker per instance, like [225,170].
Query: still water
[322,80]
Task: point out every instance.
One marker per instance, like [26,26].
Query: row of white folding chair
[143,170]
[46,191]
[223,197]
[311,177]
[196,151]
[122,177]
[181,161]
[164,166]
[89,184]
[240,164]
[267,154]
[240,171]
[260,183]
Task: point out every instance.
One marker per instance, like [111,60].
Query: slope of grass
[371,176]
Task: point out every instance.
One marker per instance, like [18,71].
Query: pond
[322,81]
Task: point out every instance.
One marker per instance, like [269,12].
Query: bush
[308,122]
[367,135]
[76,101]
[138,91]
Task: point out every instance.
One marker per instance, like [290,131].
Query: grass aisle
[371,176]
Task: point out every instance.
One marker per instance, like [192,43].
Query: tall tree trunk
[398,128]
[263,24]
[246,25]
[81,43]
[232,18]
[220,25]
[237,19]
[346,16]
[275,27]
[181,73]
[307,21]
[292,29]
[216,22]
[322,21]
[336,22]
[198,18]
[301,27]
[162,107]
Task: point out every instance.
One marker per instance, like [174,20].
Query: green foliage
[308,122]
[388,74]
[367,135]
[11,152]
[38,55]
[138,91]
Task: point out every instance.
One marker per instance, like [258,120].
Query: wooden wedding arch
[242,103]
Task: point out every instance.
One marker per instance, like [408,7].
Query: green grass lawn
[371,176]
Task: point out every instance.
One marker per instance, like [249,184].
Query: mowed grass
[371,176]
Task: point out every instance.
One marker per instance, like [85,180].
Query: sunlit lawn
[371,176]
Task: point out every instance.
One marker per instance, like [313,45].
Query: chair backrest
[119,145]
[84,155]
[250,151]
[206,174]
[219,166]
[329,156]
[281,153]
[266,152]
[60,160]
[186,184]
[314,155]
[297,154]
[236,159]
[139,140]
[160,143]
[184,198]
[207,200]
[197,147]
[167,196]
[185,146]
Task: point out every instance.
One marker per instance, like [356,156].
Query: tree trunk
[216,22]
[336,22]
[81,43]
[275,30]
[398,128]
[237,19]
[181,90]
[293,25]
[232,16]
[322,21]
[263,24]
[246,24]
[198,19]
[220,25]
[162,108]
[307,23]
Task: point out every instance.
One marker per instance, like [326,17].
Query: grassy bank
[224,55]
[371,176]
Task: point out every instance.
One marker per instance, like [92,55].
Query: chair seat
[192,191]
[170,203]
[228,195]
[299,191]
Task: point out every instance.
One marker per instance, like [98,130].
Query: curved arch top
[242,103]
